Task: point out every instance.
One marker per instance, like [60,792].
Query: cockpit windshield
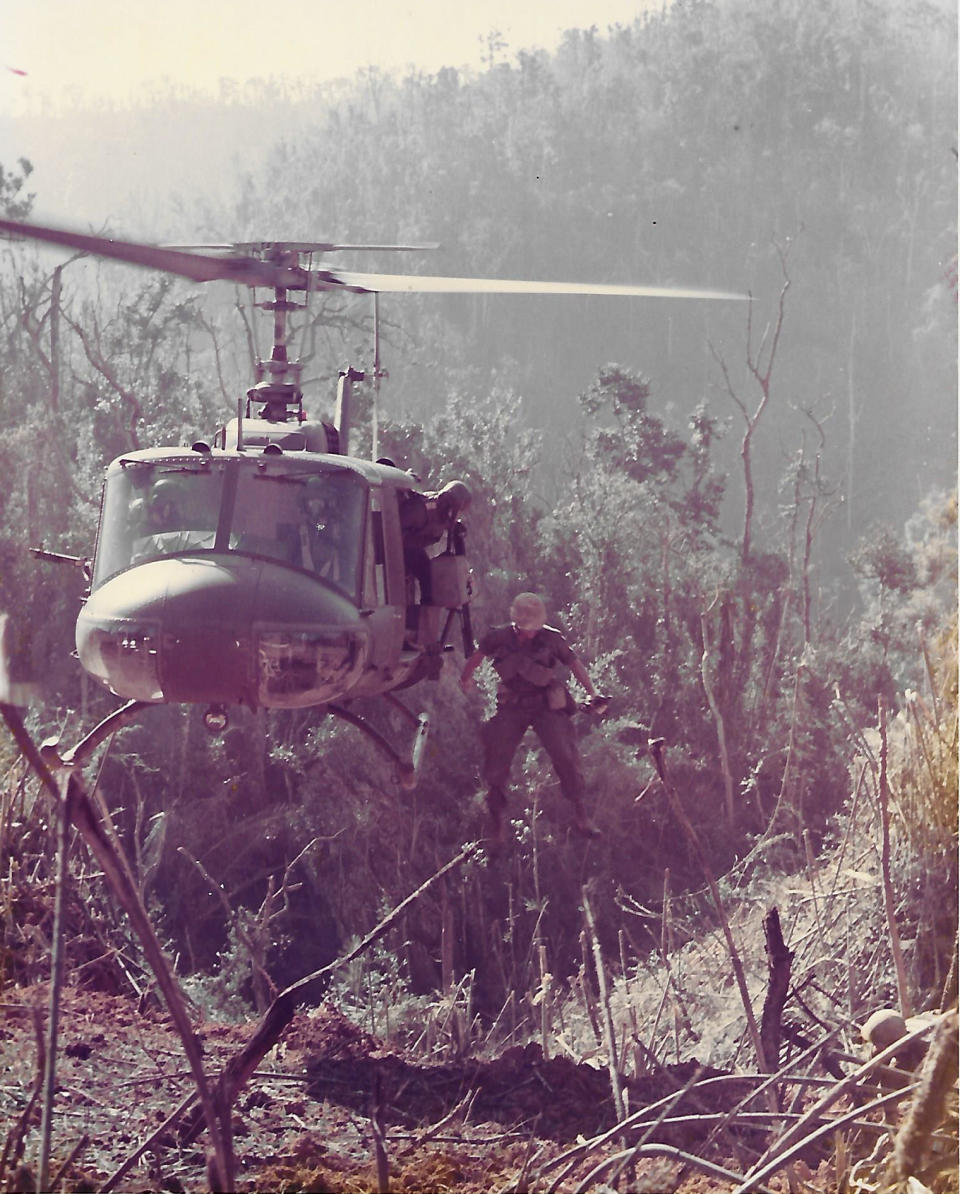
[306,519]
[152,510]
[309,520]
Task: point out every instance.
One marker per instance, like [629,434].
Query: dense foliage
[677,525]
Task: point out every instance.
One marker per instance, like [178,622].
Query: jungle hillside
[743,516]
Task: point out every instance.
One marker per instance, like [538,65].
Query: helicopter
[266,566]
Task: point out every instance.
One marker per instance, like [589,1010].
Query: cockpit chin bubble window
[305,667]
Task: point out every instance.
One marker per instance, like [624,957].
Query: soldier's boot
[582,823]
[496,802]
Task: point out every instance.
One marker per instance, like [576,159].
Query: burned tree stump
[779,961]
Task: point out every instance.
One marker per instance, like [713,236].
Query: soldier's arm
[582,677]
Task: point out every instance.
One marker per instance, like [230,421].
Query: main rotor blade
[386,248]
[405,283]
[196,266]
[301,246]
[250,271]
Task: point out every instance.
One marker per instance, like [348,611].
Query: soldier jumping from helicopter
[529,657]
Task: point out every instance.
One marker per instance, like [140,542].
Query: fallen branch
[238,1071]
[460,1111]
[118,1174]
[609,1039]
[826,1127]
[784,1075]
[636,1120]
[782,1150]
[646,1119]
[625,1156]
[74,1153]
[79,812]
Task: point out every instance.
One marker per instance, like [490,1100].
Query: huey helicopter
[267,567]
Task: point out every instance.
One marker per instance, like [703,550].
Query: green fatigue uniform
[531,675]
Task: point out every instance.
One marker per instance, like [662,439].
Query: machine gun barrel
[57,557]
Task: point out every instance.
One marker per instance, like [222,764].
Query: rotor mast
[278,378]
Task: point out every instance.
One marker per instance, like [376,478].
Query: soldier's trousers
[502,734]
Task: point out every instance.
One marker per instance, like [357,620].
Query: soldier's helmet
[528,612]
[166,489]
[164,502]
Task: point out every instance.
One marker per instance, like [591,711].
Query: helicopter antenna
[375,421]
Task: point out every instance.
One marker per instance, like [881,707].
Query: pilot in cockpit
[158,523]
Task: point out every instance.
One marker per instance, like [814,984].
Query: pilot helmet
[165,498]
[166,489]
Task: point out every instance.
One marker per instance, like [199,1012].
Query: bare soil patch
[308,1120]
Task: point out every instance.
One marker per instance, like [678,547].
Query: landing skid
[407,770]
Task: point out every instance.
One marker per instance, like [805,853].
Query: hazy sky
[115,47]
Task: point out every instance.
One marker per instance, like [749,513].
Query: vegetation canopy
[745,524]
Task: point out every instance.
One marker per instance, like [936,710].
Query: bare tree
[760,365]
[811,505]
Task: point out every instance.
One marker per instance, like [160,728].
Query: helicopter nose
[207,631]
[170,630]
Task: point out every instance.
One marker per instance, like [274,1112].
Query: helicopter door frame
[392,546]
[375,570]
[379,609]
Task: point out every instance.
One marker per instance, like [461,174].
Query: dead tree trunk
[779,960]
[760,366]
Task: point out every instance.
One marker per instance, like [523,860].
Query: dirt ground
[310,1117]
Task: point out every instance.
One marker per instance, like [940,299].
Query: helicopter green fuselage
[257,576]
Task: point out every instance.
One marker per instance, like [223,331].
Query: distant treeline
[715,143]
